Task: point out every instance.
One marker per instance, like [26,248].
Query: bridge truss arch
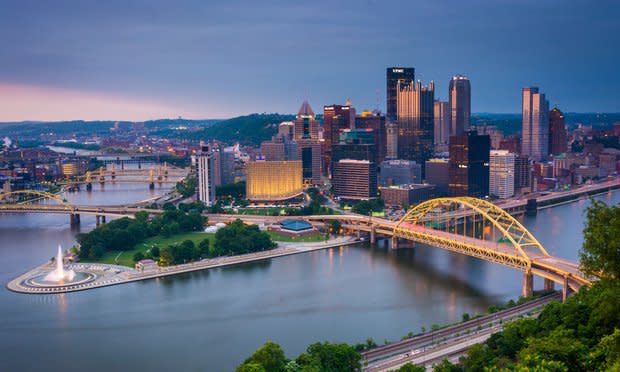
[42,194]
[516,247]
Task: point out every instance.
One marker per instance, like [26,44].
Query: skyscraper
[415,115]
[501,174]
[391,140]
[535,130]
[355,179]
[306,126]
[460,104]
[206,170]
[469,165]
[442,126]
[406,75]
[335,119]
[375,121]
[557,132]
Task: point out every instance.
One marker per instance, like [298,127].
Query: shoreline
[108,275]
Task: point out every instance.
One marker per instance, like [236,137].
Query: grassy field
[125,258]
[317,237]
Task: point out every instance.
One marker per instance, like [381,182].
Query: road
[433,345]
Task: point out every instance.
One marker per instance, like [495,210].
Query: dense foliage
[187,251]
[124,233]
[239,238]
[232,191]
[366,207]
[187,187]
[318,357]
[582,334]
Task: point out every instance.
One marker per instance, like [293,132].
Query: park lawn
[317,237]
[125,258]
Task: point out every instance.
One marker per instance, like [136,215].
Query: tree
[204,248]
[251,367]
[410,367]
[600,253]
[330,357]
[446,366]
[138,256]
[560,345]
[335,226]
[270,357]
[154,251]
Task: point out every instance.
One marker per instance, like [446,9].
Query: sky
[140,60]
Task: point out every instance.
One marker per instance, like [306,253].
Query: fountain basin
[42,280]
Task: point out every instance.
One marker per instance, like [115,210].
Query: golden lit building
[273,180]
[69,169]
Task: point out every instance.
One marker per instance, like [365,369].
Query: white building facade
[502,174]
[205,169]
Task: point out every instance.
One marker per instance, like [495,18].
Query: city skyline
[142,61]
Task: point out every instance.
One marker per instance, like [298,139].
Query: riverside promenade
[106,275]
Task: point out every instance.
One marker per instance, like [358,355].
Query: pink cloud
[25,102]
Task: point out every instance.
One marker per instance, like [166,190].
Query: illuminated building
[69,169]
[305,125]
[535,131]
[273,180]
[469,165]
[407,194]
[394,75]
[206,171]
[415,111]
[286,129]
[558,143]
[501,174]
[355,179]
[460,104]
[279,148]
[357,144]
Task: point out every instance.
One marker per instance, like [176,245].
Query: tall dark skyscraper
[415,117]
[335,119]
[375,121]
[558,143]
[460,104]
[393,75]
[468,171]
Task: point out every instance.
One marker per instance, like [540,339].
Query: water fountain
[59,274]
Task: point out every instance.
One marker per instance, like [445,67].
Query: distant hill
[30,128]
[248,130]
[511,123]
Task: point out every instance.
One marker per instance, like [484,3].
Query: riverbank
[108,275]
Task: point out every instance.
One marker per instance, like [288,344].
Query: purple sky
[137,60]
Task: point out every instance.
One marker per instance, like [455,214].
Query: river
[212,320]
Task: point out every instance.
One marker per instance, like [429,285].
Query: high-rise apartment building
[355,179]
[523,174]
[469,165]
[415,115]
[460,104]
[205,172]
[305,126]
[501,174]
[391,140]
[442,126]
[558,144]
[394,75]
[375,121]
[535,130]
[437,173]
[335,119]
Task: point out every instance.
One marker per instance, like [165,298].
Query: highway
[432,345]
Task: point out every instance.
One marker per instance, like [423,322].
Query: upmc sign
[398,70]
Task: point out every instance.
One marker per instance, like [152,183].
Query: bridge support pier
[74,219]
[549,285]
[102,219]
[528,285]
[359,234]
[98,220]
[394,242]
[565,289]
[151,186]
[373,235]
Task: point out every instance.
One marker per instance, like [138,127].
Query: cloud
[26,102]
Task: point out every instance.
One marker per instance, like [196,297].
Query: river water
[212,320]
